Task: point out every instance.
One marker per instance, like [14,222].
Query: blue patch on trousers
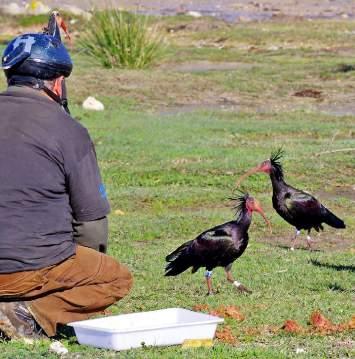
[102,190]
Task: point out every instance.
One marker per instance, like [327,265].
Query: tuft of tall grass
[122,39]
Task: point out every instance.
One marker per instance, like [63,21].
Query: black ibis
[219,246]
[298,208]
[55,23]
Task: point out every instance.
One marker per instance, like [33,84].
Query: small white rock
[194,14]
[58,348]
[92,104]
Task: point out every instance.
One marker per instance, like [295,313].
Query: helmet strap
[38,84]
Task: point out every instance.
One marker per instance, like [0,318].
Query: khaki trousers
[81,286]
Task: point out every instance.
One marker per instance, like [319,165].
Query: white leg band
[237,284]
[208,274]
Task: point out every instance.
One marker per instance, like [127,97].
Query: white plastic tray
[160,327]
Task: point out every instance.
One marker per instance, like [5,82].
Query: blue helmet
[41,56]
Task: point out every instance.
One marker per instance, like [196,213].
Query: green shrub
[121,39]
[32,20]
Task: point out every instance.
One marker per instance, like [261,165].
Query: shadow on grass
[337,267]
[336,287]
[65,332]
[344,68]
[282,246]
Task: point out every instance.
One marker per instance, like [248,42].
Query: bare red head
[270,165]
[254,205]
[250,204]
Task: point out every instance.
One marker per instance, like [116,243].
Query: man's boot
[17,322]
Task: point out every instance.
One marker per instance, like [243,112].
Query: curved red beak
[257,208]
[247,174]
[62,25]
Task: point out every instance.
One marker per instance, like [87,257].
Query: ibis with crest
[219,246]
[298,208]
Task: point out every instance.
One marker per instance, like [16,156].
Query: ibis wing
[216,235]
[215,242]
[302,205]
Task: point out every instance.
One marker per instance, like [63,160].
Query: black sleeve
[93,234]
[86,191]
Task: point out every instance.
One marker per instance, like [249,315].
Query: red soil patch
[291,326]
[225,311]
[320,323]
[229,311]
[225,335]
[201,308]
[350,325]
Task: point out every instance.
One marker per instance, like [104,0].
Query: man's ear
[57,88]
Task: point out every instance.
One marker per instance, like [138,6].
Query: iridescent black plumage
[276,164]
[219,246]
[55,22]
[53,28]
[239,203]
[298,208]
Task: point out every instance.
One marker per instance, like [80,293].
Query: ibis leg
[293,240]
[229,274]
[240,287]
[208,276]
[309,240]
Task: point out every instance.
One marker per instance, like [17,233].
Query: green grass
[32,20]
[172,171]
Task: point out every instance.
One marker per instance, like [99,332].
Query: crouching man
[53,205]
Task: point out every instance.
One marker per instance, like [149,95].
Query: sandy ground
[230,10]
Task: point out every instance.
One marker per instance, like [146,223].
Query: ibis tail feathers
[332,220]
[179,260]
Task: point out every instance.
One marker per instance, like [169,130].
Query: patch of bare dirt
[309,93]
[203,66]
[345,192]
[159,89]
[320,241]
[338,101]
[339,109]
[9,30]
[230,10]
[196,26]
